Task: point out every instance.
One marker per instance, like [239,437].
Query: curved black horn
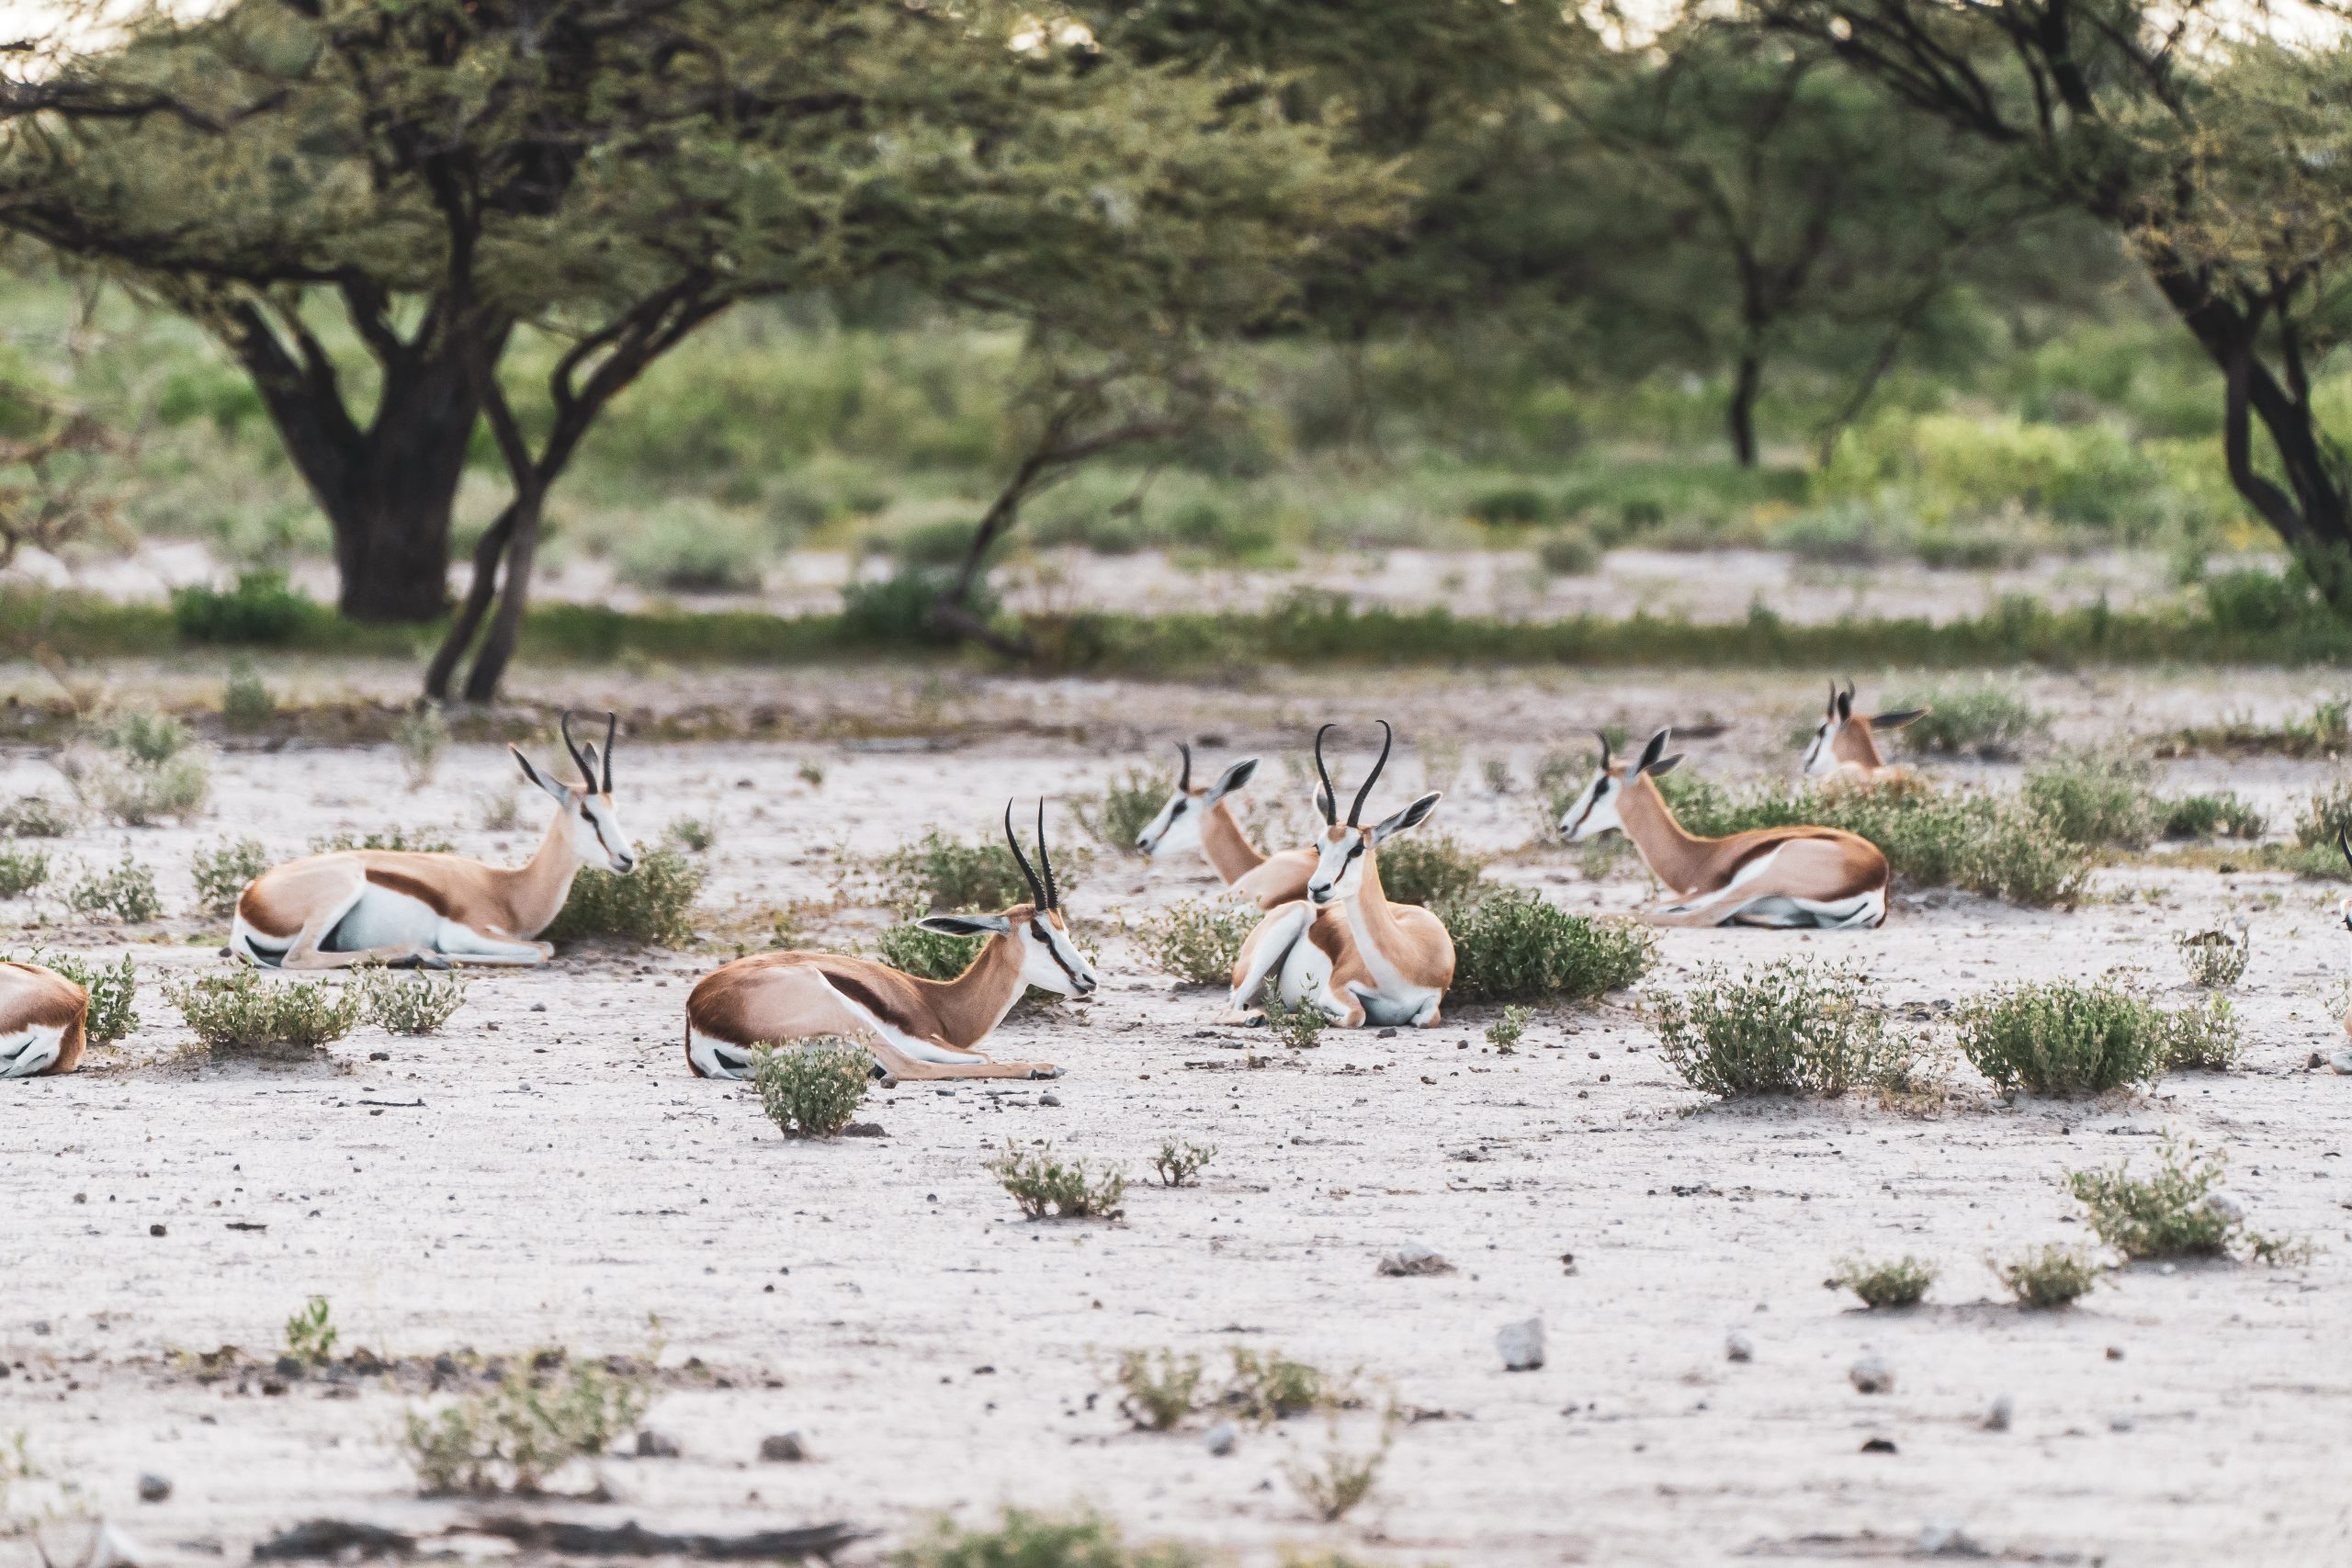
[1330,796]
[1388,739]
[1607,754]
[578,759]
[1036,888]
[1046,859]
[1185,783]
[2344,844]
[612,727]
[1833,699]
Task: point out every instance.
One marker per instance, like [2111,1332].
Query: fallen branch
[632,1541]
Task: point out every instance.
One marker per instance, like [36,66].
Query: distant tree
[2217,145]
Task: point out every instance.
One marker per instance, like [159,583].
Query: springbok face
[1343,849]
[1594,812]
[1049,960]
[597,836]
[1844,737]
[1178,826]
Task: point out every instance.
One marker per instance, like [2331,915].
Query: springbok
[1202,819]
[1345,949]
[916,1028]
[1766,876]
[1845,741]
[41,1019]
[399,907]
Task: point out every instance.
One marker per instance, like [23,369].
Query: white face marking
[1051,962]
[1821,757]
[1338,866]
[1178,826]
[1595,811]
[597,836]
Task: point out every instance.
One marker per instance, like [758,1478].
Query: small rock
[1872,1375]
[539,1007]
[2315,1060]
[444,1365]
[1414,1257]
[154,1488]
[1385,1034]
[1998,1418]
[783,1447]
[1221,1439]
[1521,1345]
[380,1056]
[2121,1421]
[1878,1446]
[651,1444]
[2115,1352]
[1049,1099]
[1738,1347]
[1947,1540]
[2341,1061]
[289,1367]
[155,1230]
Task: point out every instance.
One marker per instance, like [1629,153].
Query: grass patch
[2224,816]
[309,1333]
[1266,1387]
[1045,1186]
[2326,731]
[1180,1164]
[126,892]
[412,1004]
[1513,946]
[517,1432]
[246,704]
[1900,1284]
[2048,1278]
[2203,1037]
[125,788]
[244,1011]
[1786,1028]
[1196,940]
[1505,1034]
[1157,1390]
[1022,1539]
[2214,961]
[1972,718]
[37,817]
[2065,1039]
[1342,1477]
[21,871]
[938,874]
[1568,551]
[1126,808]
[419,841]
[223,869]
[650,906]
[2095,799]
[2176,1213]
[419,738]
[812,1089]
[2327,817]
[928,955]
[113,987]
[691,834]
[1428,869]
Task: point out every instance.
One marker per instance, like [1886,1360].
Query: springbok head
[2343,906]
[1049,960]
[1343,849]
[597,836]
[1178,826]
[1844,735]
[1595,811]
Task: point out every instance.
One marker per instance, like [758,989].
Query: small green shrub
[113,989]
[1126,806]
[418,842]
[2203,1037]
[812,1088]
[1293,1028]
[1505,1034]
[1344,1478]
[1985,720]
[691,834]
[145,737]
[2327,817]
[21,871]
[37,817]
[928,955]
[1042,1185]
[420,737]
[2225,816]
[1786,1028]
[1267,1387]
[246,704]
[1157,1391]
[896,611]
[1021,1540]
[515,1434]
[2214,960]
[1180,1164]
[2095,800]
[1428,869]
[1568,551]
[2048,1278]
[412,1004]
[123,787]
[812,772]
[498,811]
[2020,858]
[652,905]
[695,548]
[1513,946]
[2062,1038]
[244,1011]
[937,873]
[261,609]
[1197,939]
[223,870]
[126,892]
[1897,1284]
[1512,504]
[2175,1213]
[309,1333]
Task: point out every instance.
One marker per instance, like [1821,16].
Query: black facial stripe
[1053,952]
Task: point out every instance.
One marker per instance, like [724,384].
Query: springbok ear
[1663,766]
[1412,816]
[1323,806]
[540,779]
[1898,720]
[1233,778]
[965,925]
[588,755]
[1654,750]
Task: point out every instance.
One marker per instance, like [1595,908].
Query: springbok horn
[1833,699]
[2344,844]
[1046,859]
[1605,753]
[1036,888]
[1329,799]
[612,727]
[1388,738]
[587,773]
[1185,783]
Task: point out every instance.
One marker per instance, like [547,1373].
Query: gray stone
[1521,1345]
[154,1488]
[1872,1375]
[289,1367]
[2121,1421]
[651,1444]
[783,1447]
[2341,1061]
[1998,1418]
[1414,1257]
[1738,1347]
[1221,1439]
[1941,1540]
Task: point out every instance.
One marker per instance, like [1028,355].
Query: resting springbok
[916,1028]
[1202,819]
[41,1019]
[1345,949]
[1767,877]
[1845,741]
[399,907]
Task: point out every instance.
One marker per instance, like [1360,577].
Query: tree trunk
[1741,414]
[506,626]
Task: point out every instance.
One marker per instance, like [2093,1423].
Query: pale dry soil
[546,1172]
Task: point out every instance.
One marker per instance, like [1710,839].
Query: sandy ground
[546,1173]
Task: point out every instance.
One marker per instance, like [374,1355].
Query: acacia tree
[615,173]
[2222,158]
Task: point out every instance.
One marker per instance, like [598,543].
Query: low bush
[2062,1038]
[2224,816]
[812,1088]
[2095,799]
[2048,1278]
[1344,1478]
[692,834]
[412,841]
[1897,1284]
[261,608]
[37,817]
[1787,1028]
[244,1011]
[21,871]
[1267,1386]
[223,871]
[246,704]
[145,737]
[1428,869]
[126,788]
[1157,1391]
[689,547]
[1293,1027]
[1042,1185]
[1569,551]
[2020,858]
[1512,945]
[126,892]
[2214,960]
[652,905]
[1126,807]
[2203,1037]
[2175,1213]
[896,611]
[928,955]
[1180,1164]
[113,989]
[938,873]
[309,1333]
[1021,1540]
[1972,718]
[1196,940]
[420,737]
[1505,1034]
[518,1432]
[412,1004]
[2327,817]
